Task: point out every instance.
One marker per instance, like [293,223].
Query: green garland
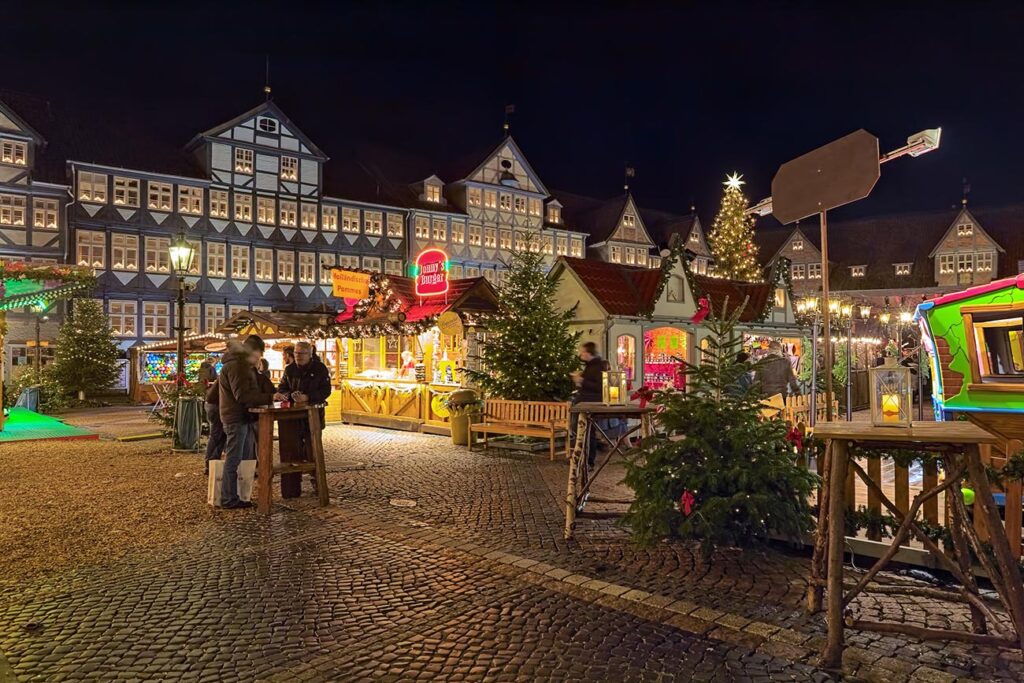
[44,272]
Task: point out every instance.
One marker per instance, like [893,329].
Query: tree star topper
[734,181]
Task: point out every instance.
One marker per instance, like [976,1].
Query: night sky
[684,95]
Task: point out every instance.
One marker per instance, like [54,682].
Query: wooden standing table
[960,445]
[293,463]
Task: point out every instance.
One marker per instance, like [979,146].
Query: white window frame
[373,222]
[984,262]
[615,253]
[190,200]
[965,263]
[124,252]
[459,232]
[216,259]
[348,261]
[947,264]
[964,229]
[505,201]
[288,213]
[395,225]
[439,230]
[813,271]
[796,245]
[91,248]
[214,316]
[263,264]
[123,316]
[12,210]
[432,192]
[14,152]
[505,239]
[422,228]
[392,266]
[45,214]
[491,238]
[798,271]
[307,268]
[519,203]
[562,245]
[193,318]
[239,261]
[285,266]
[372,264]
[126,191]
[329,220]
[92,187]
[576,248]
[218,203]
[858,271]
[307,216]
[159,196]
[554,214]
[243,207]
[490,199]
[156,319]
[243,160]
[266,210]
[902,269]
[289,168]
[350,220]
[474,196]
[158,255]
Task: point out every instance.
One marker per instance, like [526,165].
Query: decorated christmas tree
[86,354]
[718,471]
[529,351]
[732,236]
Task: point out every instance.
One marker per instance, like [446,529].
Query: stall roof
[193,344]
[275,325]
[731,294]
[469,295]
[621,290]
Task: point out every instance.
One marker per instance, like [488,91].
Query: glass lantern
[891,397]
[613,388]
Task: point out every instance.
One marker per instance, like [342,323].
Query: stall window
[997,352]
[626,355]
[664,350]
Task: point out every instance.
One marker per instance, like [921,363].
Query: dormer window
[902,269]
[12,152]
[289,168]
[797,245]
[266,125]
[243,160]
[964,230]
[629,220]
[554,214]
[694,237]
[432,193]
[474,196]
[857,271]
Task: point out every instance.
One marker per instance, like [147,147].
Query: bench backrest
[798,408]
[527,412]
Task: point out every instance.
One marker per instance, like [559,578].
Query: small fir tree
[529,352]
[86,354]
[732,236]
[718,472]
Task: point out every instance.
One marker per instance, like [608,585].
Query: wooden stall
[152,366]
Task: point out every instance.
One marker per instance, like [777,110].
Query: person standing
[307,380]
[215,441]
[240,388]
[589,383]
[774,374]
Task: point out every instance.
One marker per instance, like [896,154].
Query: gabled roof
[663,225]
[22,125]
[597,217]
[457,171]
[264,107]
[730,295]
[620,290]
[964,212]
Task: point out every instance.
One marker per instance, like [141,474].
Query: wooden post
[818,560]
[317,446]
[265,462]
[931,478]
[901,477]
[832,657]
[574,462]
[874,503]
[956,525]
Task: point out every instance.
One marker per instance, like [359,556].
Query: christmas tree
[718,472]
[86,354]
[529,351]
[732,236]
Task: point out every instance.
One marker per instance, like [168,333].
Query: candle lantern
[613,387]
[891,397]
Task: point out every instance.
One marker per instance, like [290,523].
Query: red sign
[431,272]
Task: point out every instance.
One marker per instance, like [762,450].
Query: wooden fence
[798,408]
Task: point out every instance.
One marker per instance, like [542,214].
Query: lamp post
[846,313]
[809,306]
[40,319]
[182,255]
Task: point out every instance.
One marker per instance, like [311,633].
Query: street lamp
[40,319]
[182,256]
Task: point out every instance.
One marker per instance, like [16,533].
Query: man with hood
[240,387]
[307,380]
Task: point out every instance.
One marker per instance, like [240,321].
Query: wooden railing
[798,408]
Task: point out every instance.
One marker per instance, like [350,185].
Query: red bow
[796,437]
[686,502]
[703,308]
[643,394]
[180,380]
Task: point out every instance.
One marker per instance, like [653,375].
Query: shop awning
[276,325]
[195,343]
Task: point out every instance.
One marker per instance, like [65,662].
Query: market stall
[152,367]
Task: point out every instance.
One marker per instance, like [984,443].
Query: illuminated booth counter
[152,366]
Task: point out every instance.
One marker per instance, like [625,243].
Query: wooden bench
[546,419]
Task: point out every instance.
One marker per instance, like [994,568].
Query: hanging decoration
[686,502]
[703,308]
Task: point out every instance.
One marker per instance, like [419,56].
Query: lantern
[613,388]
[182,255]
[891,398]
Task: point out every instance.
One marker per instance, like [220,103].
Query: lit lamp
[891,403]
[613,388]
[182,255]
[865,311]
[884,317]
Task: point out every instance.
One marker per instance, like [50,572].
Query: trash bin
[462,405]
[187,423]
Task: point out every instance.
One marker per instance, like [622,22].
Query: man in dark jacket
[307,380]
[240,388]
[775,373]
[590,383]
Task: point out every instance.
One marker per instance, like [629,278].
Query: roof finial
[266,79]
[509,109]
[630,173]
[966,191]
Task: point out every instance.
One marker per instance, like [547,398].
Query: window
[214,316]
[490,238]
[288,213]
[615,254]
[392,266]
[123,317]
[630,256]
[625,355]
[641,257]
[902,268]
[797,245]
[239,263]
[534,206]
[549,244]
[92,187]
[243,161]
[126,191]
[330,218]
[997,356]
[798,271]
[192,317]
[857,271]
[964,230]
[218,203]
[307,215]
[326,263]
[373,222]
[44,214]
[190,199]
[395,225]
[13,152]
[780,297]
[965,263]
[695,238]
[307,268]
[522,243]
[90,249]
[289,168]
[474,235]
[562,245]
[490,199]
[554,214]
[459,232]
[506,202]
[159,196]
[243,207]
[348,262]
[350,220]
[946,263]
[983,262]
[216,259]
[265,210]
[158,256]
[655,262]
[520,203]
[286,266]
[576,248]
[472,271]
[474,196]
[456,272]
[488,274]
[12,210]
[502,275]
[264,264]
[156,319]
[813,271]
[235,309]
[422,228]
[266,124]
[432,193]
[124,252]
[439,230]
[505,239]
[371,263]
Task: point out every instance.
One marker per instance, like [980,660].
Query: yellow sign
[348,284]
[450,323]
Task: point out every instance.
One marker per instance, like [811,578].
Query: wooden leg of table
[265,463]
[317,442]
[832,657]
[570,493]
[551,453]
[815,590]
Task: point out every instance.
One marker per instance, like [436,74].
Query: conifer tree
[86,354]
[732,236]
[718,472]
[529,351]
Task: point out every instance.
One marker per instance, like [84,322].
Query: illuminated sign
[348,284]
[431,271]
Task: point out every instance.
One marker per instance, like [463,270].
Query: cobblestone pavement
[473,582]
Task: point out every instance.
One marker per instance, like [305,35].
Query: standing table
[587,427]
[294,459]
[960,445]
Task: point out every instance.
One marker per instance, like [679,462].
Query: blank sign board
[838,173]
